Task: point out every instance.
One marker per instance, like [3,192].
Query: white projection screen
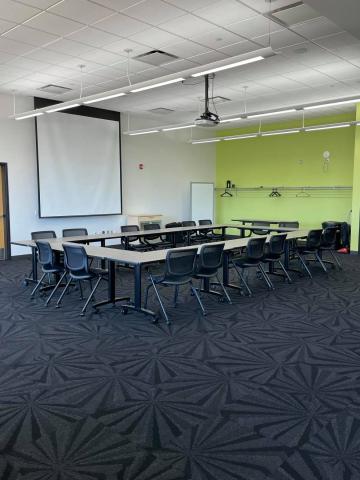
[79,168]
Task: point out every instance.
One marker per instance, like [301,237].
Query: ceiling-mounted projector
[207,119]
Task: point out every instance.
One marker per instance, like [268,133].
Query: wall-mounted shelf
[284,188]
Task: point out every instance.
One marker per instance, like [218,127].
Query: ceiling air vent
[217,99]
[55,89]
[156,57]
[161,111]
[292,14]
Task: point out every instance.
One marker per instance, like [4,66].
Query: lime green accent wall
[356,188]
[288,160]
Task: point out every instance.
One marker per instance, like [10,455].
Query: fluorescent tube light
[155,85]
[230,65]
[65,107]
[241,137]
[30,115]
[228,120]
[206,141]
[144,133]
[107,97]
[332,104]
[169,129]
[327,127]
[270,114]
[280,132]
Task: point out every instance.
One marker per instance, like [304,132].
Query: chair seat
[171,280]
[305,249]
[160,245]
[93,273]
[56,268]
[247,262]
[271,257]
[205,273]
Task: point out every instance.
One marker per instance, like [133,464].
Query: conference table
[244,221]
[139,260]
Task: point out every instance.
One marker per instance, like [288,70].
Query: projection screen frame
[86,112]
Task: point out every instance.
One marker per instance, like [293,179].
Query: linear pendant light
[241,137]
[30,115]
[144,132]
[228,120]
[332,104]
[230,65]
[270,114]
[100,99]
[60,108]
[206,141]
[169,129]
[280,132]
[327,127]
[156,85]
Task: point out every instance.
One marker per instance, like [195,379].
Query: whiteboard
[78,165]
[202,201]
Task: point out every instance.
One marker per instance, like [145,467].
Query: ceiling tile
[310,77]
[280,39]
[154,37]
[8,73]
[264,6]
[187,26]
[5,57]
[102,57]
[81,10]
[179,65]
[44,78]
[224,12]
[308,54]
[340,70]
[48,56]
[54,24]
[28,64]
[208,57]
[41,4]
[239,48]
[16,12]
[216,38]
[93,37]
[15,48]
[317,27]
[5,25]
[126,44]
[30,35]
[121,25]
[191,5]
[254,27]
[186,49]
[341,43]
[117,5]
[64,45]
[59,71]
[154,12]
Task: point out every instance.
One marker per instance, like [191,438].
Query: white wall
[162,187]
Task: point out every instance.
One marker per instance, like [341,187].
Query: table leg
[102,243]
[136,304]
[223,231]
[112,299]
[33,278]
[226,261]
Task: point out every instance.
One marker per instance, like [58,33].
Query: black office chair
[289,224]
[209,260]
[179,236]
[77,267]
[328,244]
[179,270]
[209,233]
[74,232]
[194,237]
[156,241]
[260,231]
[43,235]
[253,257]
[50,265]
[129,242]
[310,247]
[274,251]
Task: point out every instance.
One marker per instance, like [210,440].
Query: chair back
[188,223]
[43,235]
[75,258]
[205,222]
[260,224]
[328,237]
[289,224]
[277,244]
[255,248]
[179,236]
[45,253]
[74,232]
[151,226]
[204,231]
[210,257]
[180,263]
[131,228]
[313,239]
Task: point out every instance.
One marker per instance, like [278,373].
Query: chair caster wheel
[155,319]
[124,311]
[25,283]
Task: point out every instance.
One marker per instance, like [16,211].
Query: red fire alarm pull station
[141,166]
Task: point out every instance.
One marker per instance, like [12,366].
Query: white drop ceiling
[44,42]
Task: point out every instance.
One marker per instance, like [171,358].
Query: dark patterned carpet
[266,388]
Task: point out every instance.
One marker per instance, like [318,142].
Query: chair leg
[176,294]
[196,293]
[318,258]
[266,278]
[335,259]
[48,300]
[81,291]
[302,261]
[285,271]
[160,301]
[242,278]
[63,293]
[38,285]
[90,297]
[147,295]
[227,296]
